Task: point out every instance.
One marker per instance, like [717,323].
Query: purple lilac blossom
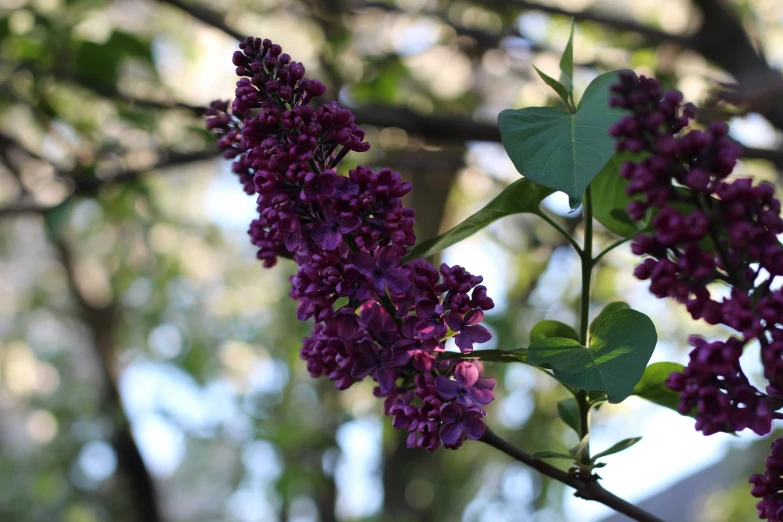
[348,235]
[708,228]
[768,486]
[718,230]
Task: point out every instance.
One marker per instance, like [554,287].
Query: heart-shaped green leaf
[606,310]
[522,196]
[610,199]
[652,385]
[621,344]
[617,448]
[568,410]
[561,150]
[550,328]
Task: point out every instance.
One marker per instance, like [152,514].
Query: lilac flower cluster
[374,317]
[769,485]
[706,229]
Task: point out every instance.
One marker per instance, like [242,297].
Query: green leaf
[519,355]
[620,347]
[56,217]
[130,45]
[560,150]
[617,448]
[610,199]
[556,86]
[652,387]
[606,310]
[96,63]
[568,410]
[549,328]
[567,63]
[539,455]
[522,196]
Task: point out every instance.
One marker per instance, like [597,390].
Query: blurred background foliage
[149,367]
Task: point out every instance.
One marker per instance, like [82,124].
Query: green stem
[587,266]
[586,256]
[612,247]
[560,229]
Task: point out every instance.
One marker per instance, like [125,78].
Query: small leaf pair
[621,342]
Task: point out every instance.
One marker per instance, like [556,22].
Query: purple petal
[450,412]
[346,327]
[387,258]
[475,316]
[306,310]
[451,434]
[397,281]
[326,235]
[330,217]
[479,396]
[474,428]
[365,361]
[466,374]
[478,334]
[364,263]
[485,383]
[385,378]
[447,388]
[408,327]
[349,224]
[425,309]
[454,321]
[423,361]
[464,343]
[291,241]
[398,358]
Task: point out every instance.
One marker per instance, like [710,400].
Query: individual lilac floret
[348,235]
[469,388]
[460,422]
[768,486]
[383,270]
[469,330]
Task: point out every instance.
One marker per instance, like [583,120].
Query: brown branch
[722,39]
[651,35]
[89,186]
[102,323]
[588,489]
[455,129]
[207,16]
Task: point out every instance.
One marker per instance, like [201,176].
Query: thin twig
[83,185]
[207,16]
[102,323]
[586,488]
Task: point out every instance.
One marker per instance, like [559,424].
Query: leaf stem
[611,247]
[560,229]
[587,488]
[586,253]
[586,256]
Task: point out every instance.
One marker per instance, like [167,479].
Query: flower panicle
[707,228]
[348,235]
